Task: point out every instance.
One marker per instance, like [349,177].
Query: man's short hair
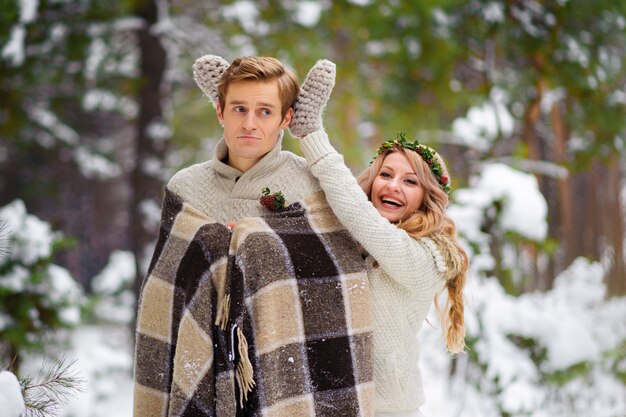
[259,68]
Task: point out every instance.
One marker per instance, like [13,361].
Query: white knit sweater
[226,194]
[402,287]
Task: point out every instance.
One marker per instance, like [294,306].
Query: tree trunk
[588,214]
[570,246]
[532,140]
[616,279]
[146,185]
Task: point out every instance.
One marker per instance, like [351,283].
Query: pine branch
[54,386]
[4,240]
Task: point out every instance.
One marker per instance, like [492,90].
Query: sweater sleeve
[415,264]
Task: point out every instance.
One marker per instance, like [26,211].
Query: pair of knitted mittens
[314,92]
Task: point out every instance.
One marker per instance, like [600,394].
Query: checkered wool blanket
[271,320]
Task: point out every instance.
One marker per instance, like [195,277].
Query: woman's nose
[394,184]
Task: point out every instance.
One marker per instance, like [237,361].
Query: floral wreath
[427,154]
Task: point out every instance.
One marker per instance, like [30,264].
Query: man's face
[252,120]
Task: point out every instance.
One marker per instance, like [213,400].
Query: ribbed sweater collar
[266,165]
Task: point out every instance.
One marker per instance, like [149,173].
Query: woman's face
[396,190]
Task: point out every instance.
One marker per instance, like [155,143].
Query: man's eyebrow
[243,103]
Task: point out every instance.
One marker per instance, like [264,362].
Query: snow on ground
[10,395]
[102,356]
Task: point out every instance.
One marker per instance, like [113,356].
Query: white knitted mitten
[314,94]
[207,71]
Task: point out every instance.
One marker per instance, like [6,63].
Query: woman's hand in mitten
[314,94]
[207,71]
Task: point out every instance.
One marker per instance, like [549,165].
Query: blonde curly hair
[431,221]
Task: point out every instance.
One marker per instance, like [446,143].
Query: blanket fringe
[245,373]
[221,319]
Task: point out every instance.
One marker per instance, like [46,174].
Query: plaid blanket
[175,352]
[289,295]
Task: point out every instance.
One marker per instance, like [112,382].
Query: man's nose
[249,122]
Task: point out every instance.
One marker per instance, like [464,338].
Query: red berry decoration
[274,202]
[444,180]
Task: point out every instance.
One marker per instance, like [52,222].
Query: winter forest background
[525,99]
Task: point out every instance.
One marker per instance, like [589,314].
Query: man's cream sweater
[403,286]
[226,194]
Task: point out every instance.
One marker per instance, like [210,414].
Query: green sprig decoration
[427,154]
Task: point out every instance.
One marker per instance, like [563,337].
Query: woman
[396,211]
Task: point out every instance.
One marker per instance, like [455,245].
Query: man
[254,99]
[178,350]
